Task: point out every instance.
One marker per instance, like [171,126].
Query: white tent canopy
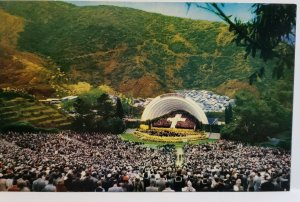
[167,103]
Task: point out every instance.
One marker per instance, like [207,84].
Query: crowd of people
[105,163]
[188,123]
[227,166]
[58,157]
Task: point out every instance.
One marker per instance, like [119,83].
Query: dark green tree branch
[271,33]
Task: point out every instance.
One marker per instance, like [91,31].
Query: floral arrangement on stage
[179,130]
[187,138]
[182,132]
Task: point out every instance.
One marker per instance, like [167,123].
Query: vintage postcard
[146,96]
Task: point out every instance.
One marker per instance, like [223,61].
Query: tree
[81,106]
[256,119]
[84,117]
[271,33]
[119,109]
[228,114]
[68,105]
[113,125]
[104,106]
[98,114]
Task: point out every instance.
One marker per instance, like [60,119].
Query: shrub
[23,127]
[9,93]
[113,125]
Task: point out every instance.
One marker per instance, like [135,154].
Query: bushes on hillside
[24,127]
[256,119]
[2,104]
[10,93]
[113,125]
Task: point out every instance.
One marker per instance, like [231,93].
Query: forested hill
[135,52]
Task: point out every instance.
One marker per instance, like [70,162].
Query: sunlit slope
[135,52]
[21,69]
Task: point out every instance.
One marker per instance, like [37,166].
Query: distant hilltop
[53,44]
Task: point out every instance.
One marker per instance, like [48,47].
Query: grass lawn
[133,138]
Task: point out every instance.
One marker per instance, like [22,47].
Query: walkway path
[215,136]
[130,130]
[179,155]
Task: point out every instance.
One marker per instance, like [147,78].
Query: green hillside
[23,70]
[135,52]
[25,110]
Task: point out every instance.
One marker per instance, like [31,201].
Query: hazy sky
[179,9]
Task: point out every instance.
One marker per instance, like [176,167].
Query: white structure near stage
[170,102]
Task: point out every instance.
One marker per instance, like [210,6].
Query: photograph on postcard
[146,96]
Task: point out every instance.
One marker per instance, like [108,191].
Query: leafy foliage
[24,127]
[104,106]
[99,115]
[256,120]
[228,114]
[23,70]
[273,24]
[79,88]
[271,33]
[119,110]
[8,93]
[113,125]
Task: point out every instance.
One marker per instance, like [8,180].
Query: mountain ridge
[135,52]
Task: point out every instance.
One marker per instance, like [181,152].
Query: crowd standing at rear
[105,163]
